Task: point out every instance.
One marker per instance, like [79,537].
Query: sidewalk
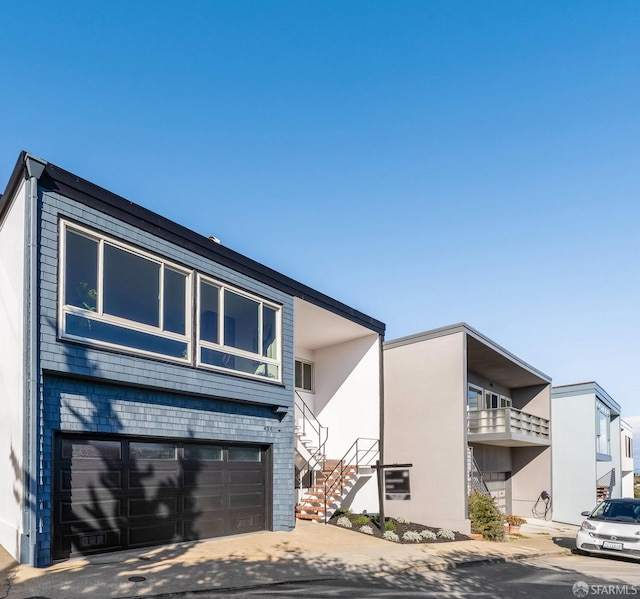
[310,552]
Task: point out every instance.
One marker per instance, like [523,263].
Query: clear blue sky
[424,162]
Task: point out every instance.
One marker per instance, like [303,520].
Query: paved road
[548,578]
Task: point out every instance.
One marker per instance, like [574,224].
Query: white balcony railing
[508,421]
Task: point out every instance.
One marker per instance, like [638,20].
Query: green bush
[389,524]
[361,520]
[486,519]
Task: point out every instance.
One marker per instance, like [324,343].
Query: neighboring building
[147,377]
[468,415]
[588,448]
[626,459]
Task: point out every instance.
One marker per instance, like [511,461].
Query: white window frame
[480,392]
[313,375]
[100,316]
[221,347]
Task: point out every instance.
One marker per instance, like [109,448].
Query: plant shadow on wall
[107,492]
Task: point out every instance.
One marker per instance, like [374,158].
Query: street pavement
[311,552]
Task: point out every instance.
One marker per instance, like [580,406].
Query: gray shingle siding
[93,390]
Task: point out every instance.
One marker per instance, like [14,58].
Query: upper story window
[603,429]
[237,331]
[628,447]
[304,376]
[481,399]
[117,296]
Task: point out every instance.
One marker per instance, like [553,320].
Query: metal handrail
[363,456]
[476,480]
[311,423]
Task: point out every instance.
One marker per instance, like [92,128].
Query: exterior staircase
[324,483]
[475,480]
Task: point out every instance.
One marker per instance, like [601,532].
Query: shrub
[412,535]
[344,522]
[389,535]
[445,533]
[366,530]
[389,525]
[514,520]
[428,535]
[486,518]
[361,520]
[402,520]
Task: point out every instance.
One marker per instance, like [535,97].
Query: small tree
[486,518]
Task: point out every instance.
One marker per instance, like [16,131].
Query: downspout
[34,167]
[381,383]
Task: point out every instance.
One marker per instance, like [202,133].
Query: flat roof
[67,184]
[586,388]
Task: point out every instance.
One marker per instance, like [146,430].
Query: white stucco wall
[347,401]
[425,406]
[12,261]
[574,470]
[627,466]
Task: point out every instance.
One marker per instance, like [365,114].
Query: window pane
[244,454]
[269,340]
[117,335]
[208,312]
[90,448]
[224,360]
[307,376]
[152,451]
[174,301]
[131,286]
[240,322]
[474,399]
[81,271]
[298,374]
[208,453]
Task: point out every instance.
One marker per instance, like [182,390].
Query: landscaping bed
[404,531]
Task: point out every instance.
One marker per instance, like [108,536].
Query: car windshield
[619,511]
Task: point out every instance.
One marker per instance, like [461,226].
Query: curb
[442,566]
[491,559]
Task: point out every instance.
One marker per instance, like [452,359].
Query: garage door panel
[243,500]
[198,478]
[143,507]
[252,476]
[79,478]
[205,502]
[152,533]
[240,521]
[89,512]
[155,493]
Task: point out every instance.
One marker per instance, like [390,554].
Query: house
[626,459]
[467,415]
[588,450]
[149,374]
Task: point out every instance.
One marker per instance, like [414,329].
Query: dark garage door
[112,493]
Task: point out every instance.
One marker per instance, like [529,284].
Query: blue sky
[425,162]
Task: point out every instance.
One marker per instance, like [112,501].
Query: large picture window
[237,331]
[118,296]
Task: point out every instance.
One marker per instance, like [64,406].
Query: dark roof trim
[19,173]
[590,387]
[81,190]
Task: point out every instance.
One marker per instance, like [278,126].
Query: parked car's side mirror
[587,513]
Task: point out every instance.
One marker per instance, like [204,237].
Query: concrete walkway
[310,552]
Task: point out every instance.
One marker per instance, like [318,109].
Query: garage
[112,493]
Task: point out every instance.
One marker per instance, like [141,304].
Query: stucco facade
[429,377]
[588,450]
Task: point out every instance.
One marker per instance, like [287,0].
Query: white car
[612,528]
